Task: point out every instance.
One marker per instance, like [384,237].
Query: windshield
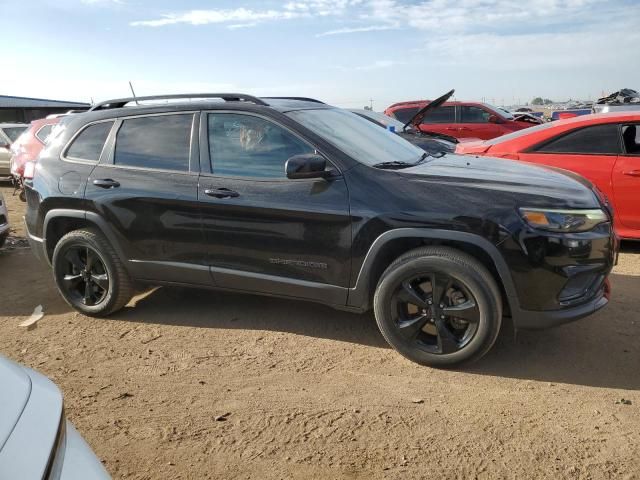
[361,139]
[499,111]
[381,119]
[13,132]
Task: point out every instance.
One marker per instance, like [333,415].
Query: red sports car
[604,148]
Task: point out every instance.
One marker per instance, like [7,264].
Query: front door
[147,190]
[626,179]
[264,232]
[474,123]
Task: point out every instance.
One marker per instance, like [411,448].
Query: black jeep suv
[295,198]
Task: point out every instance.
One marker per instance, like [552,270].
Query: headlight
[563,220]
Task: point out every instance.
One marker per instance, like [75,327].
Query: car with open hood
[460,119]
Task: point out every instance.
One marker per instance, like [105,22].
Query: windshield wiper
[393,164]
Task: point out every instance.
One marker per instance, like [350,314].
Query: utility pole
[371,104]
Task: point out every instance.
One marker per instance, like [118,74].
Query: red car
[28,145]
[462,119]
[604,148]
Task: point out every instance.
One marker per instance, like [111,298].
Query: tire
[110,286]
[430,333]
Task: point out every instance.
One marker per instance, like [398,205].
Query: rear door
[264,232]
[626,178]
[147,191]
[589,151]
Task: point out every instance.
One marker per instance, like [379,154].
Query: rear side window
[469,114]
[631,139]
[88,145]
[598,139]
[441,115]
[159,142]
[43,133]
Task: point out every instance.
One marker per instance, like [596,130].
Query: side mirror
[5,145]
[494,119]
[309,165]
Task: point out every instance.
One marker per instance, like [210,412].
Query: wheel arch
[59,222]
[393,243]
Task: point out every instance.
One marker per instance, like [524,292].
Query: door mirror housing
[494,119]
[5,145]
[309,165]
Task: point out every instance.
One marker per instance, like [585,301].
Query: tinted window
[473,115]
[441,115]
[405,114]
[631,139]
[161,142]
[599,139]
[44,132]
[88,145]
[248,146]
[13,132]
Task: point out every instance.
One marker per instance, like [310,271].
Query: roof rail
[303,99]
[227,97]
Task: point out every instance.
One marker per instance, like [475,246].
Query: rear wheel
[89,274]
[438,306]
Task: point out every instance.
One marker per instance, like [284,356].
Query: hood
[429,144]
[418,117]
[553,187]
[14,395]
[471,147]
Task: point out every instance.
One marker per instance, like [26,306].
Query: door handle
[106,183]
[221,193]
[633,173]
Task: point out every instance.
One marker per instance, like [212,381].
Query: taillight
[29,170]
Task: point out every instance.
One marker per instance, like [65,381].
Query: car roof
[422,103]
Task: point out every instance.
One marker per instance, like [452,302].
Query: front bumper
[532,320]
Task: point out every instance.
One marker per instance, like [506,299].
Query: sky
[350,53]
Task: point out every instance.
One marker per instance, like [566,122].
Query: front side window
[440,115]
[248,146]
[598,139]
[471,114]
[631,139]
[161,142]
[88,145]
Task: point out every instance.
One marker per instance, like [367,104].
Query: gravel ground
[200,384]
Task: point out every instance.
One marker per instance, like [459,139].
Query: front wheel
[438,306]
[89,274]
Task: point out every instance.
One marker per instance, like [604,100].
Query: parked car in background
[430,142]
[36,440]
[9,132]
[460,119]
[604,148]
[298,199]
[27,147]
[4,221]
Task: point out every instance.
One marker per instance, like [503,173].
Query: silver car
[36,440]
[9,132]
[4,222]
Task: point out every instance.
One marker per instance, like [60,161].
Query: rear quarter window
[89,143]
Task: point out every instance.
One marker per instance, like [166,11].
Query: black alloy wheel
[85,278]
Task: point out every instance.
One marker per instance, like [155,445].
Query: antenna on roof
[134,93]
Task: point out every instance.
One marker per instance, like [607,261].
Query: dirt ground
[199,384]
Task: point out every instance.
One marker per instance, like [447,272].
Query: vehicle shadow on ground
[598,351]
